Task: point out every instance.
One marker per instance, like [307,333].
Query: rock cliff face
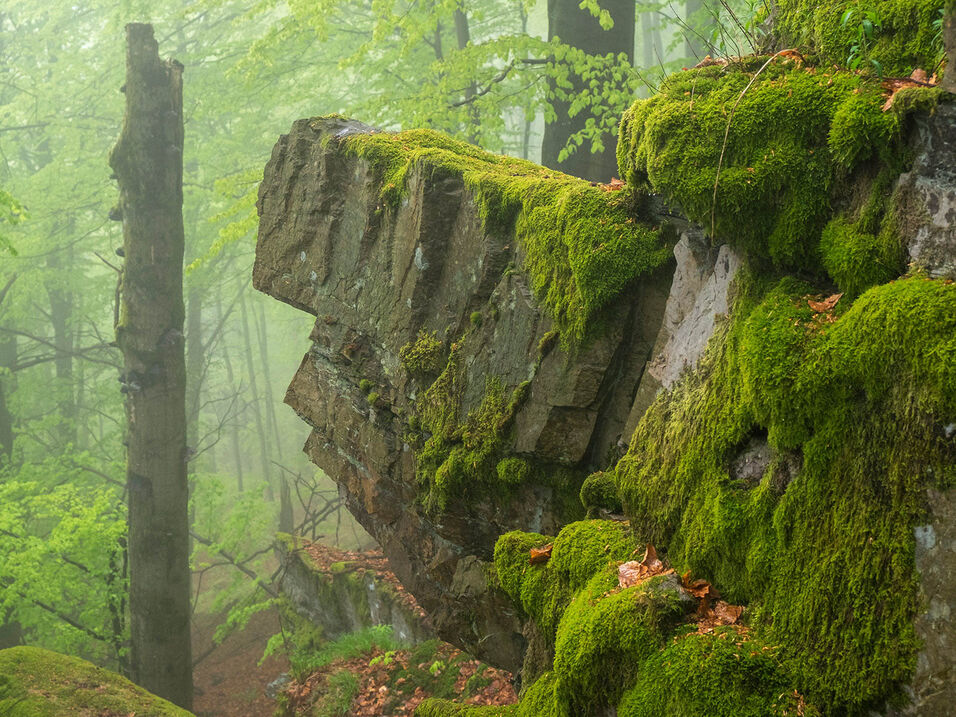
[798,453]
[383,277]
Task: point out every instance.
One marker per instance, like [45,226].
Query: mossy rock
[906,41]
[777,140]
[826,560]
[720,674]
[40,683]
[599,493]
[582,246]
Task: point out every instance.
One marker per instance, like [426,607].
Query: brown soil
[228,682]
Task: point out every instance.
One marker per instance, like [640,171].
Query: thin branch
[236,563]
[485,90]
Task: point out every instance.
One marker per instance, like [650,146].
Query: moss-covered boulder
[482,326]
[40,683]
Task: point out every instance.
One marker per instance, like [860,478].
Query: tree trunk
[234,423]
[463,36]
[61,309]
[147,160]
[264,453]
[580,29]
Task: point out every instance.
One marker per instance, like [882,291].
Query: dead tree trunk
[147,160]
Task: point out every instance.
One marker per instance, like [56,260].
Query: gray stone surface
[926,195]
[699,296]
[346,601]
[933,690]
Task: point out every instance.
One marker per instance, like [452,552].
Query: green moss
[373,397]
[581,246]
[722,674]
[605,635]
[906,42]
[794,136]
[826,560]
[599,492]
[475,319]
[40,683]
[425,355]
[580,550]
[365,385]
[445,708]
[466,456]
[513,471]
[858,259]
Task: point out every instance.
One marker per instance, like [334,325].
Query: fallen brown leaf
[540,555]
[825,305]
[633,572]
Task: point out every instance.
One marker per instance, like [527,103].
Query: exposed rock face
[346,598]
[375,276]
[700,294]
[933,691]
[927,196]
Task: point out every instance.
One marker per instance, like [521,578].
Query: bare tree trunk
[234,432]
[147,160]
[463,35]
[264,453]
[580,29]
[61,309]
[194,365]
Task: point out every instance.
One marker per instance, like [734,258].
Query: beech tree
[148,162]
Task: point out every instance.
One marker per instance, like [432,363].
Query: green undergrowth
[824,558]
[582,246]
[793,140]
[906,39]
[40,683]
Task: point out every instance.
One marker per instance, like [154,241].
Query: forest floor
[361,677]
[229,682]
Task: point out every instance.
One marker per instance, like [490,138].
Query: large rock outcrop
[489,333]
[424,287]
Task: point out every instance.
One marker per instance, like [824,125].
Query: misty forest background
[495,72]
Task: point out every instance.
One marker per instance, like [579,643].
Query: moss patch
[906,41]
[40,683]
[425,355]
[794,137]
[466,456]
[722,674]
[582,247]
[826,560]
[599,492]
[581,549]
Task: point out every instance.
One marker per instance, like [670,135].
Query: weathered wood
[147,160]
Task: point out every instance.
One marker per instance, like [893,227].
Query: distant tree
[596,49]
